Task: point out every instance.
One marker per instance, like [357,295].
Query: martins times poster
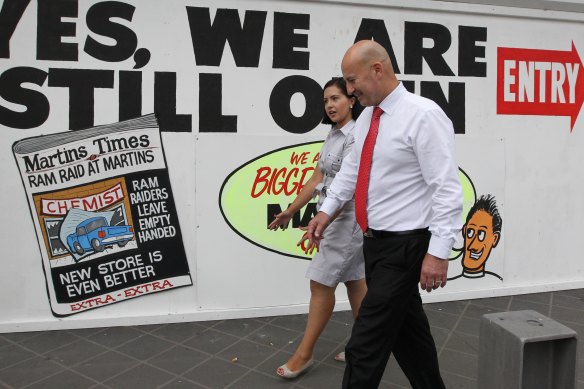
[104,214]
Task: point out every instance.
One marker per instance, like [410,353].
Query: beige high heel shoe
[284,372]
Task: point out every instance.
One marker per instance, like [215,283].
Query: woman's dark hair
[340,83]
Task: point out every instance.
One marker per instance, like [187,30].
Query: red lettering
[147,288]
[296,159]
[131,292]
[291,188]
[275,177]
[281,180]
[50,207]
[109,299]
[108,197]
[93,302]
[90,203]
[261,176]
[77,306]
[303,177]
[63,208]
[271,184]
[539,82]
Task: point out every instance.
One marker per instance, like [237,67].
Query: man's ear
[377,68]
[496,240]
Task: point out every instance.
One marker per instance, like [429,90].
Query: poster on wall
[104,214]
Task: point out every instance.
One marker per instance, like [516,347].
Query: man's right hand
[316,229]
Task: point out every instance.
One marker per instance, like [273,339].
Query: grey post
[525,350]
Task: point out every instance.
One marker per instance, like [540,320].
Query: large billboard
[236,87]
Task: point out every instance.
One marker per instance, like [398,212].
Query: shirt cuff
[440,247]
[329,206]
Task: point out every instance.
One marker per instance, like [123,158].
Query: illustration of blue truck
[95,234]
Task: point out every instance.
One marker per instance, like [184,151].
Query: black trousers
[391,318]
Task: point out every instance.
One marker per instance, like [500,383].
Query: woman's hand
[280,220]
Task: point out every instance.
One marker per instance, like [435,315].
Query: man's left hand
[434,273]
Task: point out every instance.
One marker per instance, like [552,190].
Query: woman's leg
[356,290]
[322,303]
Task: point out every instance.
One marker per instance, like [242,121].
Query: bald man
[408,202]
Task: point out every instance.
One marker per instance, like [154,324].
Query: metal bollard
[526,350]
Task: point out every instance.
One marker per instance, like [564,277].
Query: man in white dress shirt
[412,215]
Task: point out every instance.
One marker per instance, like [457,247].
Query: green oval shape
[469,197]
[266,185]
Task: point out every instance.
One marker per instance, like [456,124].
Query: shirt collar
[346,128]
[389,103]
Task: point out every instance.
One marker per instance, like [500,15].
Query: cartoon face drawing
[479,240]
[482,232]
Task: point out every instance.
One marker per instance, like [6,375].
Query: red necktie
[362,187]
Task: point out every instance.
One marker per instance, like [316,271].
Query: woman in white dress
[340,258]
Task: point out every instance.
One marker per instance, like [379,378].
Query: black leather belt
[371,233]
